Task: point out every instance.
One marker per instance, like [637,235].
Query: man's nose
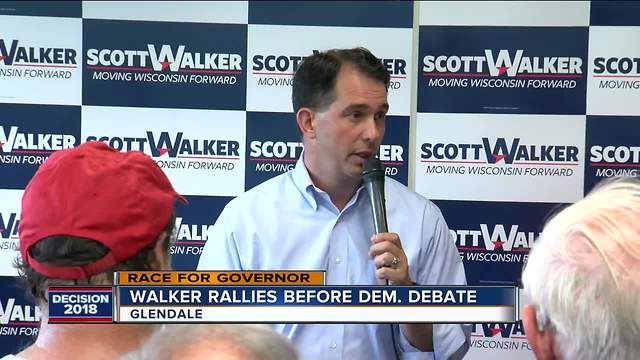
[374,130]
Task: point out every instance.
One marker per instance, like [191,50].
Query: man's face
[351,129]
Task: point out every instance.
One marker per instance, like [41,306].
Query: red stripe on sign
[207,157]
[616,76]
[204,71]
[24,323]
[543,163]
[558,76]
[119,68]
[190,242]
[32,151]
[274,160]
[451,162]
[616,165]
[455,75]
[49,66]
[270,73]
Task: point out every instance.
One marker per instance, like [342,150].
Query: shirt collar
[302,181]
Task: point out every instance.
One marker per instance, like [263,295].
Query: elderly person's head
[583,278]
[209,341]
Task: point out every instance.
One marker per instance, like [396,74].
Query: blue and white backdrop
[500,111]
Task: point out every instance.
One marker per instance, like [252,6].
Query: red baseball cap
[93,191]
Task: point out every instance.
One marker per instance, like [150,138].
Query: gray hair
[242,341]
[583,274]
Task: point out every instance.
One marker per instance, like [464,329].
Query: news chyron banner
[272,297]
[500,157]
[204,155]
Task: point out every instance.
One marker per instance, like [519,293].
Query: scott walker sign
[161,65]
[502,70]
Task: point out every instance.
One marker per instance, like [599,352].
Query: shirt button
[338,261]
[333,345]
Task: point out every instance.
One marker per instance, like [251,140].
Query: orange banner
[220,278]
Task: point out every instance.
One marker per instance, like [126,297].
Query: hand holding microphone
[386,249]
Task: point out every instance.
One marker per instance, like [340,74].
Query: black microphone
[373,178]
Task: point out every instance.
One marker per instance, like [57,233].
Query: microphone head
[373,170]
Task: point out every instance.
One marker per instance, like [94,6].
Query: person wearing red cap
[87,212]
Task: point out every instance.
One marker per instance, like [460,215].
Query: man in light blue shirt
[318,217]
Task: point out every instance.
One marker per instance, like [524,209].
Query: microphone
[373,178]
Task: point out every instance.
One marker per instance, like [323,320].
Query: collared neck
[302,180]
[110,341]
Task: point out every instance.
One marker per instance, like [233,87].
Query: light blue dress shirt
[286,223]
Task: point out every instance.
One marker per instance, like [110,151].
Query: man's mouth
[364,154]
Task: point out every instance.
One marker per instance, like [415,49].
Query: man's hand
[392,264]
[391,261]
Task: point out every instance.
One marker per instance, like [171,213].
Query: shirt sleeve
[408,351]
[221,250]
[440,264]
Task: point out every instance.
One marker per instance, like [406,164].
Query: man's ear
[541,341]
[160,253]
[306,119]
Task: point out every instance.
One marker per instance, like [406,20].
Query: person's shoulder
[10,357]
[400,195]
[266,193]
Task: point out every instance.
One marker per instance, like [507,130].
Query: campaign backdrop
[500,112]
